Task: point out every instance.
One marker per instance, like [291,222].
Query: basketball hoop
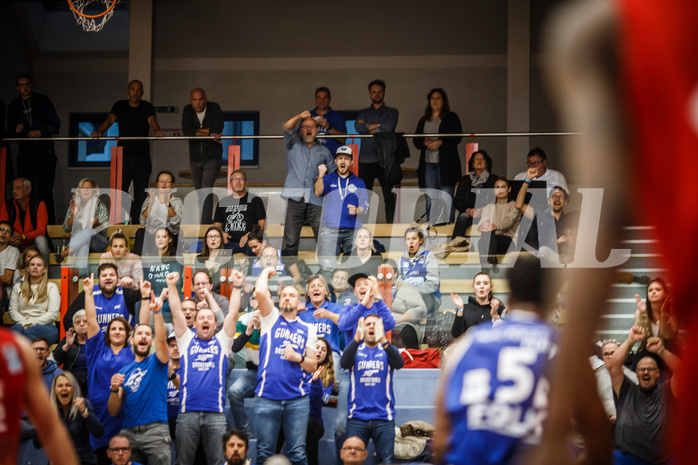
[91,23]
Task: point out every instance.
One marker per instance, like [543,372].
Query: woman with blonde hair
[77,414]
[35,303]
[87,219]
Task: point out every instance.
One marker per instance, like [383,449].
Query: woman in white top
[499,223]
[35,303]
[87,220]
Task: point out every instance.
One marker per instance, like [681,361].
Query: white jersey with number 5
[496,392]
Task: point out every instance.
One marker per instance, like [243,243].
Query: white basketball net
[93,24]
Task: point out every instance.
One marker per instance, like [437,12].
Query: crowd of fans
[165,356]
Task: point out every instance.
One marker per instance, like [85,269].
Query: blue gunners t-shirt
[145,392]
[109,308]
[371,393]
[324,327]
[278,378]
[204,369]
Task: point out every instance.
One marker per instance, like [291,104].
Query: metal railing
[276,136]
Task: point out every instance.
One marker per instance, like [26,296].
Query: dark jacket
[213,121]
[466,194]
[473,314]
[449,160]
[67,359]
[79,430]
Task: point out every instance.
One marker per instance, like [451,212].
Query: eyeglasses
[120,450]
[40,349]
[5,230]
[557,196]
[607,354]
[355,449]
[311,126]
[533,164]
[165,181]
[237,178]
[646,370]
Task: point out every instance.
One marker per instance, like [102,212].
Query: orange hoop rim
[111,7]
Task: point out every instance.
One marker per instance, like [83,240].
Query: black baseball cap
[355,276]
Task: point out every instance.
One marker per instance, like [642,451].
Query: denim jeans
[340,425]
[150,443]
[192,427]
[204,174]
[297,213]
[241,389]
[332,242]
[48,332]
[432,180]
[292,416]
[381,431]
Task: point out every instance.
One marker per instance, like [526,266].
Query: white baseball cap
[344,150]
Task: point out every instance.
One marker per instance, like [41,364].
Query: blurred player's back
[496,392]
[12,379]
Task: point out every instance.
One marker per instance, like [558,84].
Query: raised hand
[79,402]
[322,170]
[380,330]
[70,337]
[172,278]
[641,304]
[494,306]
[359,334]
[457,301]
[145,288]
[654,344]
[270,271]
[156,303]
[637,333]
[88,282]
[318,372]
[238,278]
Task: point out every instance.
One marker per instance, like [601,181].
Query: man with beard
[329,121]
[345,202]
[235,446]
[378,118]
[370,301]
[204,364]
[238,213]
[111,300]
[644,410]
[553,230]
[303,156]
[140,388]
[287,357]
[371,358]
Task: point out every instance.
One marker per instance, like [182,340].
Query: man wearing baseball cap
[345,200]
